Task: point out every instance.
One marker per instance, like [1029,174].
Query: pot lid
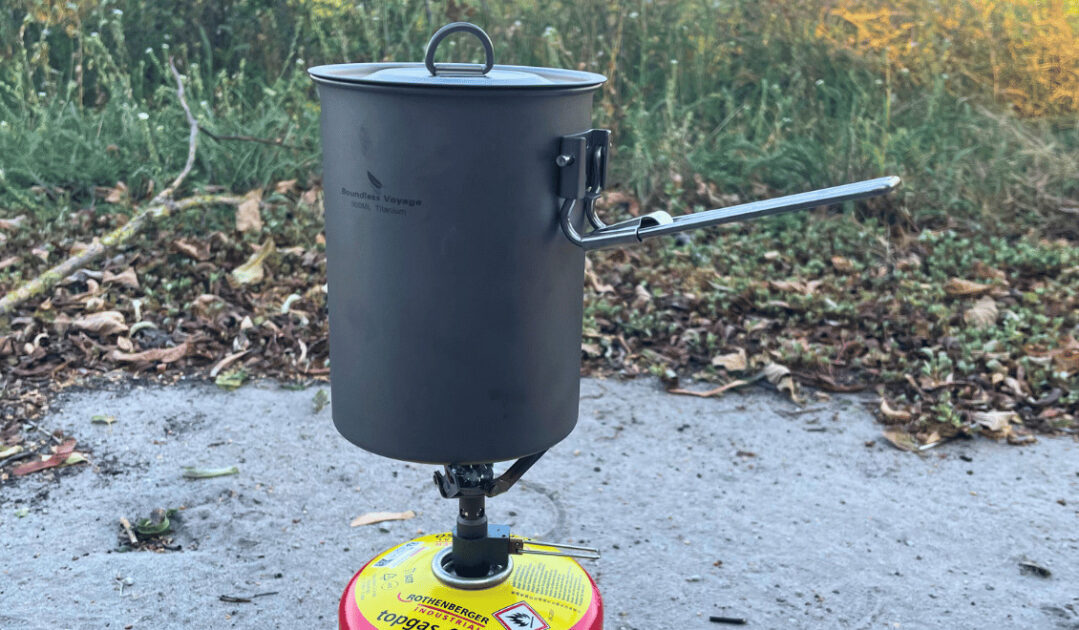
[457,75]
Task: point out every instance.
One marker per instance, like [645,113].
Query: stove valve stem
[517,545]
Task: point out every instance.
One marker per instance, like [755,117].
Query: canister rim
[415,75]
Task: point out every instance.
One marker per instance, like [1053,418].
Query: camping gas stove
[477,577]
[460,202]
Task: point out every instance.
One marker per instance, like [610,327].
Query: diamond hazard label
[520,616]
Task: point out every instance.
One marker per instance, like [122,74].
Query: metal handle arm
[779,205]
[660,223]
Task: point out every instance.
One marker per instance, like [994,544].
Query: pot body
[455,299]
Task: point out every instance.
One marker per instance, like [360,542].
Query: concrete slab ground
[744,507]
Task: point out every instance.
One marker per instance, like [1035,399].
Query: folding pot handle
[459,69]
[583,165]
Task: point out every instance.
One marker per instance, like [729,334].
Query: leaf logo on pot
[374,180]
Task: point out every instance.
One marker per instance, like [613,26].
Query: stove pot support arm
[583,173]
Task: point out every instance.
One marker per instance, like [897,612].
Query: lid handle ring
[459,69]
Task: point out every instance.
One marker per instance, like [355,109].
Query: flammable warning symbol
[520,616]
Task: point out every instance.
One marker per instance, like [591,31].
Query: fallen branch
[48,279]
[222,138]
[159,207]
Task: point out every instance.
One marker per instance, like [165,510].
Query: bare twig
[127,528]
[221,138]
[17,457]
[236,599]
[160,206]
[38,428]
[192,139]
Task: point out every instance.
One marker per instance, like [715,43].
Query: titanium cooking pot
[456,201]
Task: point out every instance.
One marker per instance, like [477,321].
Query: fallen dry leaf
[247,213]
[199,251]
[56,459]
[1033,568]
[895,415]
[911,261]
[125,278]
[10,451]
[995,421]
[982,313]
[614,198]
[194,472]
[310,196]
[788,286]
[1067,361]
[593,280]
[104,323]
[9,261]
[732,362]
[285,186]
[251,271]
[117,194]
[12,225]
[842,265]
[225,362]
[61,323]
[380,517]
[708,194]
[901,440]
[159,355]
[203,304]
[711,392]
[1014,386]
[641,296]
[961,287]
[780,376]
[989,273]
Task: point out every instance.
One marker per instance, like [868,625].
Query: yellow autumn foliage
[58,13]
[1026,52]
[325,9]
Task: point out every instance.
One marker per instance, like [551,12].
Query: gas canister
[399,590]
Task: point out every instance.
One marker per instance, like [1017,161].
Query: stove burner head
[480,555]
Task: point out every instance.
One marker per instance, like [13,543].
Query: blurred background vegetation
[974,103]
[956,296]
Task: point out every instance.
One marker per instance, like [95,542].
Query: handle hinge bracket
[582,161]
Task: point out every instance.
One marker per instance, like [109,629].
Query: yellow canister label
[398,590]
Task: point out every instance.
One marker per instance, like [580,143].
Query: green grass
[735,91]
